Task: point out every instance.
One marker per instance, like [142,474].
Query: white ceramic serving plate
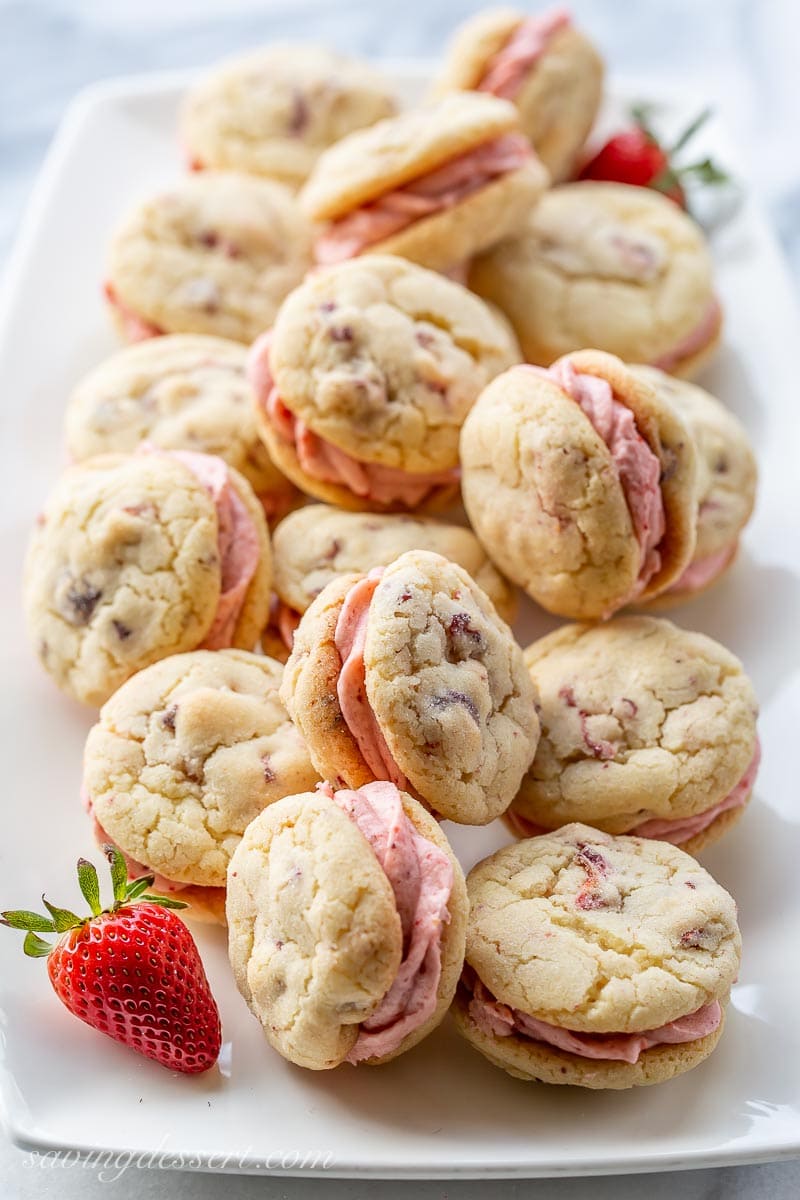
[441,1110]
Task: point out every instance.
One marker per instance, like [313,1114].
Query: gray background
[742,54]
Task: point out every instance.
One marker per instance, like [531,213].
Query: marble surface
[740,53]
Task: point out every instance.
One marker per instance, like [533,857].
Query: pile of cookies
[345,321]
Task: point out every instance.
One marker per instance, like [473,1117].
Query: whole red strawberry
[131,970]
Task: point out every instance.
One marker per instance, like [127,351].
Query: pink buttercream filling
[431,193]
[694,341]
[506,70]
[351,687]
[237,539]
[638,467]
[323,461]
[500,1020]
[137,329]
[703,570]
[421,877]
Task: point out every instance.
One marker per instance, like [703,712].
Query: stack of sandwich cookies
[596,961]
[183,757]
[407,674]
[436,185]
[215,254]
[347,920]
[179,392]
[581,483]
[646,729]
[316,544]
[727,476]
[544,65]
[608,265]
[364,382]
[138,557]
[272,112]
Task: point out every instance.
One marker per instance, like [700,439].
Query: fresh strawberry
[131,970]
[635,156]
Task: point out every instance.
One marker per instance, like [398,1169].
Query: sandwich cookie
[214,254]
[436,184]
[609,265]
[407,674]
[727,475]
[347,916]
[364,382]
[272,112]
[544,65]
[317,544]
[179,392]
[141,556]
[581,481]
[596,961]
[646,729]
[183,757]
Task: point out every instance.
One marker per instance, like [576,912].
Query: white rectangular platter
[441,1110]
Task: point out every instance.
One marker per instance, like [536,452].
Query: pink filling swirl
[506,70]
[321,460]
[421,877]
[694,341]
[638,467]
[136,328]
[703,571]
[431,193]
[351,687]
[237,539]
[500,1020]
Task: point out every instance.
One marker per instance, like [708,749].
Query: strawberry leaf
[165,901]
[22,919]
[36,947]
[706,171]
[63,919]
[135,889]
[689,132]
[89,885]
[119,871]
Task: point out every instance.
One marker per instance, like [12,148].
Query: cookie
[347,916]
[179,392]
[727,476]
[543,65]
[596,961]
[141,556]
[436,184]
[215,253]
[408,674]
[581,482]
[316,544]
[183,757]
[646,729]
[364,382]
[608,265]
[273,111]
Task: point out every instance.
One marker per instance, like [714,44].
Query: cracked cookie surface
[216,253]
[122,569]
[186,754]
[605,265]
[639,720]
[385,359]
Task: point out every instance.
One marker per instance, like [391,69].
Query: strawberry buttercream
[506,70]
[694,341]
[703,571]
[136,328]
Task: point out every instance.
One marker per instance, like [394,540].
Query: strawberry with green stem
[131,970]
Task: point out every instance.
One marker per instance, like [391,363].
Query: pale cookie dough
[185,755]
[382,360]
[395,158]
[180,392]
[216,253]
[315,937]
[640,720]
[544,494]
[444,680]
[599,936]
[272,112]
[727,476]
[557,95]
[608,265]
[123,568]
[316,544]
